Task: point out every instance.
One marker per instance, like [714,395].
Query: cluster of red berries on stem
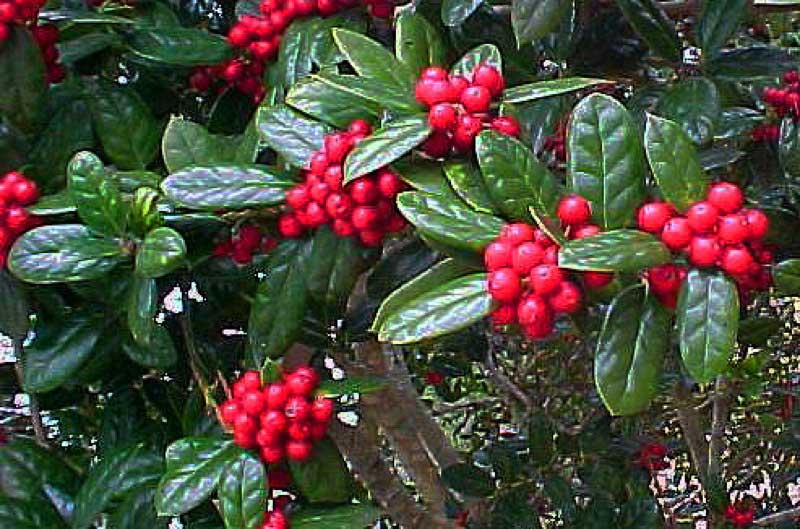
[740,515]
[258,39]
[16,192]
[281,419]
[785,100]
[556,143]
[575,212]
[717,231]
[459,108]
[278,478]
[766,133]
[247,242]
[665,282]
[653,457]
[25,13]
[364,207]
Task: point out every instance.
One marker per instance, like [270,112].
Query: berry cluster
[785,101]
[247,242]
[574,212]
[459,108]
[281,419]
[653,457]
[275,519]
[16,192]
[364,207]
[258,39]
[766,133]
[665,282]
[525,279]
[25,13]
[740,515]
[716,232]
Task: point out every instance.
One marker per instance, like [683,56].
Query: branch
[692,429]
[783,516]
[502,380]
[718,422]
[33,403]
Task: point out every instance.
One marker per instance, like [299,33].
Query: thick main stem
[692,428]
[33,404]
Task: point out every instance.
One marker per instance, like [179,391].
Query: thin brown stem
[719,420]
[33,403]
[503,381]
[692,429]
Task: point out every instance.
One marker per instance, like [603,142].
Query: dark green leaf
[292,135]
[194,467]
[83,16]
[188,144]
[137,511]
[630,351]
[22,79]
[350,386]
[455,12]
[324,478]
[226,187]
[534,19]
[158,353]
[719,157]
[142,308]
[65,252]
[737,121]
[344,517]
[789,149]
[386,145]
[553,87]
[96,195]
[179,46]
[708,319]
[22,514]
[719,20]
[674,163]
[483,54]
[417,43]
[161,252]
[654,26]
[468,479]
[325,99]
[84,46]
[757,331]
[606,161]
[371,59]
[695,104]
[467,181]
[787,276]
[14,311]
[243,493]
[745,64]
[336,264]
[614,251]
[57,204]
[446,308]
[515,179]
[512,510]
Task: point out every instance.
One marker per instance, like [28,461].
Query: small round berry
[371,238]
[542,239]
[343,228]
[272,454]
[517,233]
[507,125]
[438,144]
[298,197]
[245,440]
[253,402]
[297,409]
[726,197]
[525,257]
[319,162]
[566,298]
[299,431]
[238,36]
[389,183]
[550,255]
[245,424]
[652,217]
[489,77]
[302,381]
[758,224]
[596,280]
[732,229]
[498,254]
[540,329]
[322,410]
[590,230]
[316,214]
[504,315]
[504,284]
[546,278]
[333,176]
[25,192]
[319,192]
[266,437]
[229,410]
[363,191]
[531,309]
[17,219]
[251,380]
[677,233]
[442,116]
[574,210]
[468,127]
[434,73]
[298,450]
[702,217]
[704,250]
[476,99]
[736,260]
[359,127]
[429,92]
[276,395]
[337,145]
[279,478]
[339,206]
[457,85]
[364,217]
[289,227]
[666,278]
[274,422]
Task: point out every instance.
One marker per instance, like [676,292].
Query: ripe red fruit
[590,230]
[364,217]
[274,421]
[272,454]
[498,255]
[574,210]
[389,183]
[244,424]
[253,402]
[676,233]
[704,250]
[302,381]
[702,217]
[595,280]
[322,410]
[504,315]
[229,411]
[7,13]
[457,85]
[316,214]
[337,145]
[289,227]
[319,162]
[438,144]
[434,73]
[442,116]
[732,229]
[363,191]
[297,197]
[25,192]
[652,217]
[16,219]
[467,128]
[266,437]
[504,284]
[489,77]
[736,260]
[338,205]
[277,395]
[665,279]
[238,36]
[343,228]
[726,197]
[432,91]
[526,256]
[507,125]
[299,431]
[246,440]
[758,223]
[550,255]
[476,99]
[532,309]
[517,233]
[566,298]
[279,478]
[542,239]
[540,329]
[319,192]
[297,408]
[298,450]
[334,176]
[546,278]
[359,127]
[251,380]
[371,238]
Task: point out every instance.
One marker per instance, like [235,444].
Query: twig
[719,419]
[33,403]
[783,516]
[691,427]
[501,379]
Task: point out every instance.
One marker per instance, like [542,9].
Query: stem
[502,380]
[33,403]
[692,429]
[718,422]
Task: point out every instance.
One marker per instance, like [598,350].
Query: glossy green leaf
[467,181]
[136,510]
[292,135]
[514,178]
[371,59]
[468,479]
[708,319]
[22,514]
[14,310]
[654,26]
[162,251]
[159,352]
[350,386]
[630,351]
[243,493]
[22,79]
[344,517]
[694,104]
[789,148]
[758,330]
[534,19]
[614,251]
[606,160]
[96,195]
[447,308]
[56,204]
[83,16]
[194,467]
[674,163]
[87,45]
[335,265]
[748,64]
[116,474]
[143,305]
[455,12]
[324,478]
[226,187]
[417,43]
[330,102]
[553,87]
[483,54]
[786,275]
[719,20]
[737,121]
[179,46]
[186,144]
[450,220]
[60,253]
[386,145]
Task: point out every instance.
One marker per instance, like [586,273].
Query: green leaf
[329,99]
[371,59]
[483,54]
[194,467]
[386,145]
[515,179]
[512,510]
[277,312]
[708,319]
[60,253]
[674,163]
[137,510]
[630,351]
[749,64]
[757,331]
[83,16]
[162,251]
[22,514]
[115,475]
[456,12]
[447,308]
[335,264]
[449,220]
[126,127]
[553,87]
[534,19]
[57,204]
[606,161]
[179,46]
[324,478]
[87,45]
[158,353]
[786,275]
[344,517]
[468,479]
[14,310]
[243,493]
[59,351]
[789,148]
[719,20]
[654,26]
[614,251]
[467,181]
[695,104]
[142,308]
[96,195]
[350,386]
[217,187]
[291,134]
[417,43]
[22,79]
[737,121]
[186,144]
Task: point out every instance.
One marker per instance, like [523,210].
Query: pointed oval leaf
[553,87]
[324,478]
[14,310]
[483,54]
[695,104]
[751,63]
[370,58]
[179,46]
[337,264]
[787,276]
[243,493]
[161,252]
[22,79]
[96,195]
[21,514]
[292,135]
[455,12]
[417,43]
[142,308]
[344,517]
[386,145]
[467,181]
[614,251]
[654,26]
[534,19]
[186,144]
[719,20]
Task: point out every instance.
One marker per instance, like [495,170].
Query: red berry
[343,228]
[272,454]
[316,214]
[7,13]
[726,197]
[732,229]
[333,176]
[590,230]
[322,410]
[517,233]
[289,227]
[266,437]
[526,256]
[467,128]
[736,260]
[279,478]
[298,197]
[676,233]
[251,380]
[507,125]
[319,192]
[438,144]
[532,309]
[653,216]
[504,315]
[389,183]
[542,239]
[302,381]
[364,217]
[298,450]
[550,255]
[429,92]
[337,145]
[229,411]
[566,298]
[574,210]
[546,278]
[434,73]
[249,237]
[371,238]
[45,35]
[758,224]
[238,36]
[476,99]
[297,408]
[239,389]
[666,278]
[363,191]
[498,255]
[704,250]
[253,402]
[246,440]
[17,219]
[276,395]
[702,217]
[489,77]
[442,116]
[359,127]
[540,329]
[299,431]
[504,284]
[339,206]
[457,85]
[319,162]
[244,424]
[262,50]
[595,280]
